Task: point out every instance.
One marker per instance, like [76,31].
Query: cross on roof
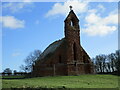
[70,8]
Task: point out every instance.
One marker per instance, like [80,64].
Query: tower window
[71,23]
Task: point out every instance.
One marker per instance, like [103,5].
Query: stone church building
[65,56]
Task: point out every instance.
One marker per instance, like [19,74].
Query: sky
[29,26]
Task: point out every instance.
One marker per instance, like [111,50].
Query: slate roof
[51,48]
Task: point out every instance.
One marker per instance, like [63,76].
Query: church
[65,56]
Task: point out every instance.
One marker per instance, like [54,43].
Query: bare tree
[117,63]
[103,57]
[112,57]
[100,63]
[23,68]
[108,67]
[107,63]
[30,60]
[96,65]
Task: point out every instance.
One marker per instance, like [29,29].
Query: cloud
[62,9]
[16,54]
[101,26]
[12,22]
[96,23]
[17,6]
[101,7]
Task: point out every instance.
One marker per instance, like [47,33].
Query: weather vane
[70,8]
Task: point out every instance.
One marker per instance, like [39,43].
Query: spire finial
[70,8]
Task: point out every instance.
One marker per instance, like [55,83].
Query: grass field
[82,81]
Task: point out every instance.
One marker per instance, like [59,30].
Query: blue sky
[34,25]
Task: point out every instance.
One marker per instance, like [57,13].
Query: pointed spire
[71,15]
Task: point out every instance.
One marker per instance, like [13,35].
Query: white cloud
[16,54]
[92,11]
[11,22]
[101,7]
[101,26]
[16,6]
[92,18]
[111,19]
[96,24]
[59,8]
[99,30]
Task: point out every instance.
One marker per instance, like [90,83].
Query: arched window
[71,23]
[60,61]
[74,51]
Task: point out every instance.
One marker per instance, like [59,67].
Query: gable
[71,15]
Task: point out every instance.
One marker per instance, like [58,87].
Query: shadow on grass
[110,73]
[13,77]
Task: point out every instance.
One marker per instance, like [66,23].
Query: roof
[51,48]
[69,15]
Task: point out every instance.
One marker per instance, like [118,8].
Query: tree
[7,71]
[23,68]
[15,72]
[117,63]
[100,63]
[30,60]
[96,66]
[107,63]
[108,67]
[112,57]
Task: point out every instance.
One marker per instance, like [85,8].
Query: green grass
[82,81]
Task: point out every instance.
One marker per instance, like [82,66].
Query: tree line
[107,63]
[8,72]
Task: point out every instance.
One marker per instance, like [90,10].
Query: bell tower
[72,30]
[72,36]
